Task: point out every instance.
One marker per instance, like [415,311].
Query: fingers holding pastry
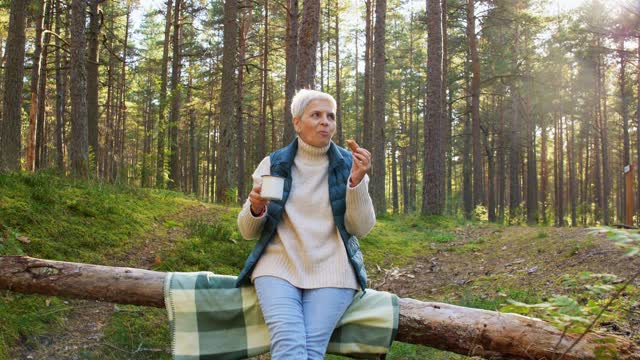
[353,145]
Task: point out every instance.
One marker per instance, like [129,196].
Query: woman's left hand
[361,164]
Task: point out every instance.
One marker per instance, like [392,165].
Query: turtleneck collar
[311,152]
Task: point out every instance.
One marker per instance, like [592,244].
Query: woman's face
[317,124]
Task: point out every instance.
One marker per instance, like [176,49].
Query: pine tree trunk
[223,179]
[262,128]
[626,159]
[491,203]
[367,120]
[338,84]
[162,126]
[394,163]
[245,25]
[36,68]
[604,142]
[544,181]
[195,148]
[571,161]
[433,179]
[291,69]
[79,135]
[379,145]
[514,151]
[637,207]
[40,154]
[93,71]
[447,122]
[560,170]
[174,115]
[532,180]
[501,163]
[478,186]
[110,115]
[467,167]
[60,94]
[13,75]
[122,170]
[308,44]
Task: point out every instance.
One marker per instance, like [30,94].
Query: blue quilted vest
[339,170]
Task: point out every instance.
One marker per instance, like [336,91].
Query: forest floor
[472,270]
[84,329]
[430,259]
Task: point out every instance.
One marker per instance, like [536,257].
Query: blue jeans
[300,321]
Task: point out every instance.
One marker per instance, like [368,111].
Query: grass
[395,241]
[63,219]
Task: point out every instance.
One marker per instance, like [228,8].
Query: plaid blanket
[212,319]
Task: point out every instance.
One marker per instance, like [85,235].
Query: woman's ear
[296,123]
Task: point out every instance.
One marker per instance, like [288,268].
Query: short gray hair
[304,96]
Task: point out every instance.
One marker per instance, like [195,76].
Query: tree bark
[40,145]
[79,135]
[308,44]
[478,185]
[245,25]
[291,70]
[604,139]
[230,41]
[60,94]
[544,181]
[174,115]
[261,148]
[35,83]
[625,125]
[13,77]
[122,99]
[448,327]
[571,162]
[367,121]
[638,138]
[379,100]
[501,163]
[433,179]
[514,153]
[339,134]
[162,126]
[93,73]
[467,171]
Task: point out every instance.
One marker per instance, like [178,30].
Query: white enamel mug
[272,187]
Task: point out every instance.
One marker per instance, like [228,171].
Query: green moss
[70,220]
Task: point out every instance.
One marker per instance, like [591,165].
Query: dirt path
[485,260]
[83,330]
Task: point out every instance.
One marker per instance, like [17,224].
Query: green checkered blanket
[212,319]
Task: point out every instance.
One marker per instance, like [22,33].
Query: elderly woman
[307,264]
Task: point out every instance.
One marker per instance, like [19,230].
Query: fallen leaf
[23,239]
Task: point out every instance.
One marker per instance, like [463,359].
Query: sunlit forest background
[503,110]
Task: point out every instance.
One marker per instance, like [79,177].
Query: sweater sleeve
[360,216]
[251,226]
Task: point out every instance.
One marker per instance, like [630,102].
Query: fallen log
[466,331]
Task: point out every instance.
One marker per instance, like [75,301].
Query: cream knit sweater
[307,249]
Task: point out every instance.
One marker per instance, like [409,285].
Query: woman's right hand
[258,203]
